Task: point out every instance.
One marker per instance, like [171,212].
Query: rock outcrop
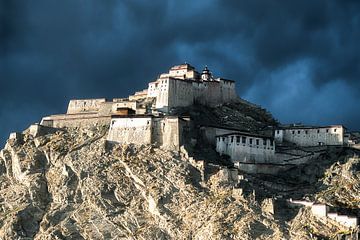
[72,184]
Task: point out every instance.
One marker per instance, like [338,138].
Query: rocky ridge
[72,184]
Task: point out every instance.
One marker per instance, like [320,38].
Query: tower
[206,74]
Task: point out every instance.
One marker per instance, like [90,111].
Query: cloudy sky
[299,59]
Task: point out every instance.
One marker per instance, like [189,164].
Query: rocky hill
[72,184]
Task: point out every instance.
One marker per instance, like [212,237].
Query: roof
[182,66]
[289,127]
[226,80]
[145,116]
[245,134]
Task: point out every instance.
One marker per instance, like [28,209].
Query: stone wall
[181,88]
[246,148]
[332,135]
[165,132]
[75,120]
[263,168]
[322,211]
[85,105]
[180,93]
[130,130]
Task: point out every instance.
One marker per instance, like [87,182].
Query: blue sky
[298,59]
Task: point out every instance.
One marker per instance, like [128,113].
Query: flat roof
[226,80]
[182,66]
[145,116]
[307,127]
[245,134]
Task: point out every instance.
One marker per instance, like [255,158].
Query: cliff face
[72,185]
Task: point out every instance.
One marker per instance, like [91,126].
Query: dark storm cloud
[52,51]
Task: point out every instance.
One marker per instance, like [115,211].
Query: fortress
[148,117]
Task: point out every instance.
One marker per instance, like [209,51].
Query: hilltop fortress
[150,117]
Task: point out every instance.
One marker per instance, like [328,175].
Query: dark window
[293,132]
[237,139]
[250,141]
[223,139]
[298,131]
[327,130]
[335,130]
[257,142]
[318,131]
[271,143]
[264,142]
[243,139]
[278,131]
[232,138]
[306,131]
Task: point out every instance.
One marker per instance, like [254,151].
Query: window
[271,143]
[335,130]
[238,139]
[327,130]
[318,131]
[293,132]
[257,142]
[250,141]
[243,140]
[223,139]
[278,132]
[298,131]
[264,142]
[232,138]
[306,132]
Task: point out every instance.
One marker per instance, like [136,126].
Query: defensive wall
[311,136]
[246,147]
[168,131]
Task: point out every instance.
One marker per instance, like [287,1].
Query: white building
[311,136]
[167,132]
[183,86]
[246,147]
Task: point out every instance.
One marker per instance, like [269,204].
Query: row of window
[306,131]
[243,140]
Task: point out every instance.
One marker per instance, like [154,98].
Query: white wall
[172,90]
[332,135]
[242,148]
[130,130]
[166,132]
[85,105]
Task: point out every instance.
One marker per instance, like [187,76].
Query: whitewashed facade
[167,132]
[245,147]
[183,86]
[311,136]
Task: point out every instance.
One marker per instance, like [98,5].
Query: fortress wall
[180,93]
[105,109]
[75,120]
[242,148]
[254,168]
[333,135]
[85,105]
[227,91]
[212,93]
[135,130]
[166,132]
[173,135]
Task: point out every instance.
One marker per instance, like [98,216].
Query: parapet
[85,105]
